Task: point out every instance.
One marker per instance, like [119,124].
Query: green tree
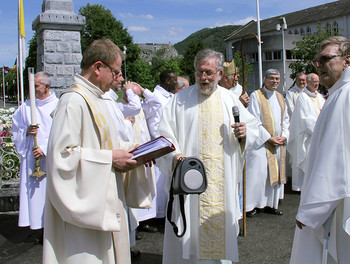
[186,64]
[247,66]
[305,49]
[100,23]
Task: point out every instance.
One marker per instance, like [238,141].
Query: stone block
[50,69]
[64,47]
[50,46]
[72,58]
[76,47]
[53,58]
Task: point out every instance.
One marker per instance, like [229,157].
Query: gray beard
[212,87]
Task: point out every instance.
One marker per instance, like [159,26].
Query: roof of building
[302,17]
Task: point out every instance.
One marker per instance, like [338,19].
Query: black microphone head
[235,111]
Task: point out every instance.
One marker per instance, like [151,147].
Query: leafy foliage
[100,23]
[210,37]
[305,49]
[186,63]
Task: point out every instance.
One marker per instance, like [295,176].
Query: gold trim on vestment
[99,118]
[212,231]
[277,171]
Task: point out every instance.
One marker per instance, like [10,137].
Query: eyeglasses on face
[208,74]
[115,72]
[323,59]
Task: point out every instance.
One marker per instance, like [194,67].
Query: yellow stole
[212,201]
[99,118]
[277,172]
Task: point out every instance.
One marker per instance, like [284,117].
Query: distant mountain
[211,37]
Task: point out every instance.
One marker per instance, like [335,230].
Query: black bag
[188,178]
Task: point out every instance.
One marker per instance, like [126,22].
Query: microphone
[235,113]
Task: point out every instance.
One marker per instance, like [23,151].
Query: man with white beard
[199,122]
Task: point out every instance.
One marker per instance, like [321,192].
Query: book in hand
[153,149]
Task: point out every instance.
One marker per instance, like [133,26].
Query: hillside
[211,37]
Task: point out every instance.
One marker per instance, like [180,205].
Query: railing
[9,162]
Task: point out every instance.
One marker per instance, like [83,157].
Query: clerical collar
[42,102]
[164,92]
[309,93]
[268,92]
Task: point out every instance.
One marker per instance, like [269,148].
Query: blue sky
[151,20]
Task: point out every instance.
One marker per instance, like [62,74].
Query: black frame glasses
[323,59]
[115,72]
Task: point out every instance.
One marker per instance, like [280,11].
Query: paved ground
[269,239]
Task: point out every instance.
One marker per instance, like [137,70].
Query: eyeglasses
[323,59]
[208,74]
[115,72]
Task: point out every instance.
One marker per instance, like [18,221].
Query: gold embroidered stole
[99,118]
[317,104]
[212,201]
[277,172]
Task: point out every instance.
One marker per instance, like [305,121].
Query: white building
[335,16]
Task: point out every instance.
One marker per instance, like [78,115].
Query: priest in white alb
[85,214]
[302,124]
[322,234]
[32,189]
[266,160]
[199,122]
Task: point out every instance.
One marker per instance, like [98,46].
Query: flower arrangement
[9,163]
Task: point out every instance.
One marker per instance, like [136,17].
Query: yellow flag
[21,19]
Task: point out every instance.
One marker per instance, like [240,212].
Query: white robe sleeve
[151,103]
[133,107]
[19,130]
[81,185]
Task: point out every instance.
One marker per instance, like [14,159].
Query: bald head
[135,87]
[313,82]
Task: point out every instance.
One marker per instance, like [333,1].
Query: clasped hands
[277,141]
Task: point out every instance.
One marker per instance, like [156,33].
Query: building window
[335,28]
[290,32]
[302,32]
[252,57]
[277,55]
[296,32]
[290,56]
[272,55]
[308,30]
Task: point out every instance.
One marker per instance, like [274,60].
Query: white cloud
[138,29]
[130,15]
[148,16]
[219,10]
[175,32]
[244,20]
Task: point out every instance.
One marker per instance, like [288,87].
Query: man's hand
[177,158]
[239,130]
[299,224]
[130,119]
[32,130]
[277,141]
[122,160]
[244,98]
[127,85]
[38,153]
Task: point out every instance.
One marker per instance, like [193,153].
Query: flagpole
[3,84]
[20,48]
[259,44]
[18,97]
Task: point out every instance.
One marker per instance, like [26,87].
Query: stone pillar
[58,39]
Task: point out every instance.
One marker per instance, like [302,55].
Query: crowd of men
[95,194]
